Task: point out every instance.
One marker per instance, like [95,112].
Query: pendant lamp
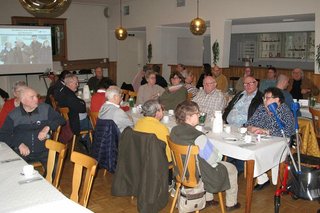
[121,33]
[198,25]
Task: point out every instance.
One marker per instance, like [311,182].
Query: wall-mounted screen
[25,49]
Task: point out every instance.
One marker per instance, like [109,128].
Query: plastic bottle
[217,124]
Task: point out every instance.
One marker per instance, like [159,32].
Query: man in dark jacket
[244,104]
[27,126]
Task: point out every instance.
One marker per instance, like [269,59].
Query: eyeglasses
[267,98]
[175,77]
[249,83]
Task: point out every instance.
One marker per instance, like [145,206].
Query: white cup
[243,130]
[134,110]
[171,112]
[247,138]
[165,119]
[199,128]
[28,171]
[227,129]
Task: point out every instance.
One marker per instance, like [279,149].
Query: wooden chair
[64,112]
[316,121]
[177,152]
[93,118]
[125,94]
[80,161]
[54,148]
[54,103]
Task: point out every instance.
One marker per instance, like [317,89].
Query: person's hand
[43,133]
[305,91]
[24,150]
[257,130]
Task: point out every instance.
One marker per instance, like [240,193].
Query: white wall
[87,36]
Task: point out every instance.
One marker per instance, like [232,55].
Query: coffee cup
[242,130]
[171,112]
[28,171]
[227,129]
[134,110]
[165,119]
[199,128]
[247,138]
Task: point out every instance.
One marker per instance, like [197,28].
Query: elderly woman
[150,90]
[264,122]
[12,103]
[174,94]
[217,175]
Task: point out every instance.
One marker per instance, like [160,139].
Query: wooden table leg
[250,166]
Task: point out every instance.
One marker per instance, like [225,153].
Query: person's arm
[6,133]
[55,119]
[208,151]
[122,120]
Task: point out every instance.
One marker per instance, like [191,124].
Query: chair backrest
[125,94]
[316,120]
[54,148]
[80,161]
[54,103]
[64,112]
[56,133]
[179,153]
[93,118]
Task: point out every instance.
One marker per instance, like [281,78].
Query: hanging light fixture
[121,33]
[198,25]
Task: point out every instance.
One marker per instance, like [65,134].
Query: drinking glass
[202,118]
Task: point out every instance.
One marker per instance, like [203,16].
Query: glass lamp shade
[121,33]
[198,26]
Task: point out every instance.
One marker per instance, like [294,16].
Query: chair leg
[221,202]
[104,172]
[175,197]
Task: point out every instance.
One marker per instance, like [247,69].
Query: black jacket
[67,98]
[255,102]
[142,170]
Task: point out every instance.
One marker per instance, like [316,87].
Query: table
[260,156]
[37,196]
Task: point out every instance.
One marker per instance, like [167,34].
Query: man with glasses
[111,109]
[210,99]
[244,104]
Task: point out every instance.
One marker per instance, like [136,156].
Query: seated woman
[12,103]
[217,175]
[150,90]
[174,94]
[264,122]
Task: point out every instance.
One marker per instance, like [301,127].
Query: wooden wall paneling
[112,71]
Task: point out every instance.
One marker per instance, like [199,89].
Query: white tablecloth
[37,196]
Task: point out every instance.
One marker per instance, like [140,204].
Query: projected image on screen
[25,49]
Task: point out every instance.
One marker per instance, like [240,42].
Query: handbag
[191,199]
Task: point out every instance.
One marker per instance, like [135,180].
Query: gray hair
[17,85]
[70,78]
[150,108]
[112,91]
[282,78]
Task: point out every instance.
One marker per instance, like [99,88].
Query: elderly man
[111,109]
[301,87]
[244,103]
[94,81]
[221,79]
[210,99]
[282,84]
[27,126]
[77,107]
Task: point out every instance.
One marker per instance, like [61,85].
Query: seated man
[56,87]
[150,123]
[98,98]
[217,175]
[94,81]
[264,122]
[111,109]
[77,107]
[270,81]
[301,87]
[27,126]
[221,79]
[243,104]
[210,99]
[282,84]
